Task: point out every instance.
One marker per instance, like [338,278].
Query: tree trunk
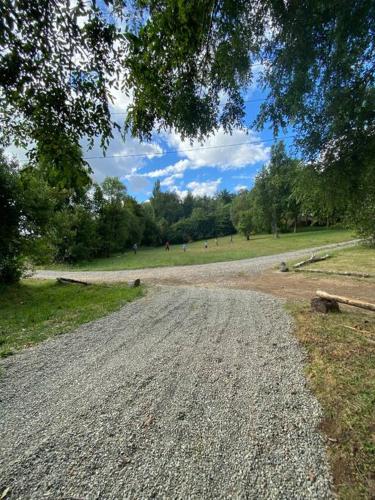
[275,229]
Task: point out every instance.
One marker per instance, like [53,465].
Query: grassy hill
[225,250]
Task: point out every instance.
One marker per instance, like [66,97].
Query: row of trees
[47,220]
[287,193]
[193,218]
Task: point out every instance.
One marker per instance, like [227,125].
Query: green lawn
[225,251]
[33,311]
[341,373]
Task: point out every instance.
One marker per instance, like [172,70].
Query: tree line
[49,217]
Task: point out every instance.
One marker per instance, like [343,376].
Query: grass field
[341,372]
[224,251]
[33,311]
[359,259]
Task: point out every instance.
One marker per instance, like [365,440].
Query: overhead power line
[174,151]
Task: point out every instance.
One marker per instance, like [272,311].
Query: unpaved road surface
[186,393]
[216,274]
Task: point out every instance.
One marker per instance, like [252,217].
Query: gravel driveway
[218,273]
[186,393]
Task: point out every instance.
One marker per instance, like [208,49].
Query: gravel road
[218,273]
[186,393]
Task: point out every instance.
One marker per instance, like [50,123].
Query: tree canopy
[59,61]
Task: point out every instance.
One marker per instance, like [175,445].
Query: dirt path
[187,393]
[217,274]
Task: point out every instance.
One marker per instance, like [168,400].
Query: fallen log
[312,259]
[66,281]
[346,300]
[339,273]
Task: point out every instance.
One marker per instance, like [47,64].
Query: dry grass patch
[360,258]
[341,371]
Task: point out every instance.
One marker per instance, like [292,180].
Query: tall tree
[166,205]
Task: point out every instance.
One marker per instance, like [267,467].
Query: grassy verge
[360,258]
[33,311]
[341,371]
[225,251]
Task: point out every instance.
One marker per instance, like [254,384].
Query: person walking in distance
[135,248]
[167,246]
[216,242]
[184,247]
[206,244]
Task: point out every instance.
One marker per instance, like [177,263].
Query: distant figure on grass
[184,247]
[206,244]
[231,238]
[216,242]
[167,246]
[135,248]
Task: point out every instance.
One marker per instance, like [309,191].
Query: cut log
[324,305]
[66,281]
[339,273]
[312,259]
[346,300]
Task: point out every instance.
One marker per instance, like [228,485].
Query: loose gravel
[186,393]
[218,273]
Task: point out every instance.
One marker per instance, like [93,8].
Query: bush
[12,269]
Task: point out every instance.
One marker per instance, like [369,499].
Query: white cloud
[239,188]
[169,181]
[121,101]
[208,188]
[182,193]
[134,147]
[176,168]
[247,150]
[124,163]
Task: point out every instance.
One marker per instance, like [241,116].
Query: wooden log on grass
[312,259]
[339,273]
[346,300]
[66,281]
